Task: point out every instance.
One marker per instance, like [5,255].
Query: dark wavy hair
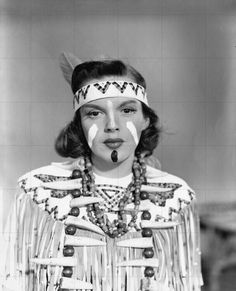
[71,141]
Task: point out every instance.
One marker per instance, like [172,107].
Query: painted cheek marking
[91,134]
[133,131]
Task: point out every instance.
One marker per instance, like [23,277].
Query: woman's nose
[112,124]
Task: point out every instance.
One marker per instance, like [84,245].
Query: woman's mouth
[113,143]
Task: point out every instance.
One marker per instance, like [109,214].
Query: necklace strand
[96,212]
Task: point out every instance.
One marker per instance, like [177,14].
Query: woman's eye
[93,113]
[129,110]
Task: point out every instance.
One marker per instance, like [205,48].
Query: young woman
[105,221]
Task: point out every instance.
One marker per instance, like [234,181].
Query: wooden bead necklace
[96,212]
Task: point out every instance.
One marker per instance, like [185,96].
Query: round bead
[147,232]
[70,229]
[122,204]
[90,207]
[76,174]
[149,272]
[121,225]
[148,253]
[68,251]
[144,195]
[67,272]
[115,233]
[132,223]
[74,211]
[76,193]
[122,212]
[146,215]
[96,206]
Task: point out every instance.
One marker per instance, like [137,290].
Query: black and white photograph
[118,145]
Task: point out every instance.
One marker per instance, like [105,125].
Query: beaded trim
[110,202]
[109,89]
[160,198]
[51,178]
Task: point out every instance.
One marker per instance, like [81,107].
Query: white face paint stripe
[91,134]
[133,131]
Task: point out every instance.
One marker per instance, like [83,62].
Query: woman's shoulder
[163,180]
[157,175]
[51,172]
[170,194]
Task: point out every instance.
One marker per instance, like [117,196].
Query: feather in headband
[67,64]
[99,90]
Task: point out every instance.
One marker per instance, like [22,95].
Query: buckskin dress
[37,235]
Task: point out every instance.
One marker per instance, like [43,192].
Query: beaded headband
[107,89]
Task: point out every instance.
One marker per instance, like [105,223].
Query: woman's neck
[112,170]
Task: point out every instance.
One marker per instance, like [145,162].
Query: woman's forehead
[115,101]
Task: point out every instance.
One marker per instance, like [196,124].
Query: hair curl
[71,141]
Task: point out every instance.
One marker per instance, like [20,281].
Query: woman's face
[113,124]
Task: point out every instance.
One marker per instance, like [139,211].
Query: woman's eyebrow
[95,106]
[130,102]
[92,106]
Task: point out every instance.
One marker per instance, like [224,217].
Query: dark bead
[148,253]
[115,222]
[67,272]
[76,193]
[147,232]
[90,207]
[70,229]
[96,206]
[146,215]
[120,230]
[100,220]
[68,251]
[144,195]
[76,174]
[121,225]
[115,233]
[149,272]
[74,211]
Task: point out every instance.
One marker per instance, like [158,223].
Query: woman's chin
[108,158]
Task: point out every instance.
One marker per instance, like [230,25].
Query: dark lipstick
[113,143]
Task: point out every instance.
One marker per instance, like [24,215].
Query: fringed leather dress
[51,245]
